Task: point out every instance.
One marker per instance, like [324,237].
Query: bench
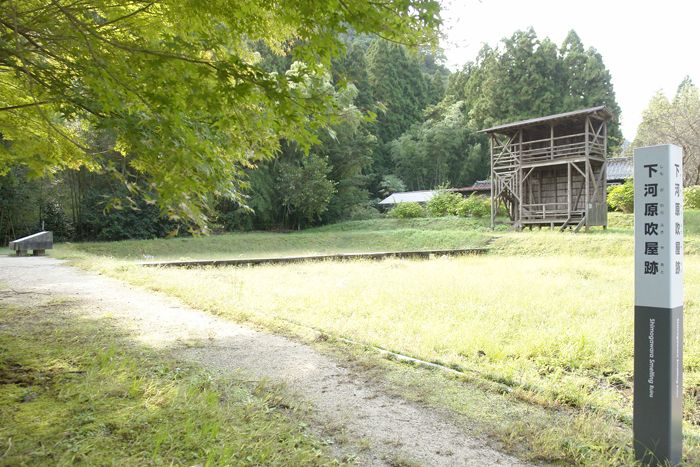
[39,243]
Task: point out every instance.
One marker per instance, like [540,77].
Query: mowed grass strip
[353,237]
[73,391]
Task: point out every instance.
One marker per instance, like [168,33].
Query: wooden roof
[600,112]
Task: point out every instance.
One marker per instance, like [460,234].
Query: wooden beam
[520,174]
[551,140]
[569,189]
[587,168]
[494,205]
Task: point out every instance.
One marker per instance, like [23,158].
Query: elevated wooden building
[552,170]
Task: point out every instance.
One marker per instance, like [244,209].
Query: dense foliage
[524,77]
[691,197]
[189,101]
[409,210]
[228,121]
[621,197]
[444,203]
[475,206]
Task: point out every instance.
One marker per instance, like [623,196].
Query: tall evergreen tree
[524,78]
[436,92]
[396,81]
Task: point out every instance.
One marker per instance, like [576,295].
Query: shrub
[621,197]
[144,221]
[476,206]
[408,210]
[443,204]
[691,197]
[364,212]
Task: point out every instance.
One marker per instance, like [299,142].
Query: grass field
[73,391]
[352,237]
[544,317]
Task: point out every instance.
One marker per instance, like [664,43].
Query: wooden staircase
[576,217]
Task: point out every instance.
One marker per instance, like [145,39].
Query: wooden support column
[551,140]
[605,169]
[494,205]
[587,171]
[587,135]
[519,175]
[569,188]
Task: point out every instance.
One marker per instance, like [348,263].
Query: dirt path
[380,427]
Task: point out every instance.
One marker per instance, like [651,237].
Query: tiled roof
[620,168]
[479,185]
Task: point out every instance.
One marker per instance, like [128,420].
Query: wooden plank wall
[550,184]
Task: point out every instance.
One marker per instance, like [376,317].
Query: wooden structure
[552,170]
[39,243]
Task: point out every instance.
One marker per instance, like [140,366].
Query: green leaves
[305,186]
[178,83]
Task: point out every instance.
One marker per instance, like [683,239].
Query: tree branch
[22,106]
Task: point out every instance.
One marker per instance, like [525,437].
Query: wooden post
[493,186]
[587,170]
[519,175]
[605,169]
[551,140]
[569,188]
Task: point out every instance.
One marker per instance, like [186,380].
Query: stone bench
[39,243]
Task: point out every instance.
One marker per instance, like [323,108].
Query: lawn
[547,317]
[352,237]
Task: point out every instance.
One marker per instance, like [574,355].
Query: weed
[400,461]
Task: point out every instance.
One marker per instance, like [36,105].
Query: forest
[402,121]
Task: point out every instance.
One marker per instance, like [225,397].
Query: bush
[443,204]
[408,210]
[475,206]
[691,197]
[144,221]
[364,212]
[621,197]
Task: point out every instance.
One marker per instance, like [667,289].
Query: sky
[646,45]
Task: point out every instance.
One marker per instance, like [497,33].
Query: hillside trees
[675,122]
[396,81]
[237,103]
[524,77]
[188,100]
[441,151]
[300,188]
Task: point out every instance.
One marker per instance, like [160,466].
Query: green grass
[545,318]
[73,391]
[354,237]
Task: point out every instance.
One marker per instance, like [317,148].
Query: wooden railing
[546,149]
[544,211]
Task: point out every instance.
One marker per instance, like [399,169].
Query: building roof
[479,185]
[620,168]
[600,112]
[409,196]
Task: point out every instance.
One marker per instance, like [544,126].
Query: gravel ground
[375,427]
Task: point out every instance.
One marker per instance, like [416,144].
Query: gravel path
[380,427]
